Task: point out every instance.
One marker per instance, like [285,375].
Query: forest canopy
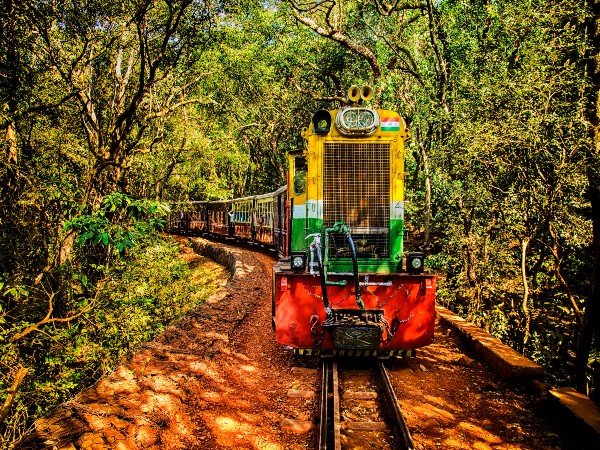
[110,110]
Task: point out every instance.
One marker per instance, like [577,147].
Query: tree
[589,338]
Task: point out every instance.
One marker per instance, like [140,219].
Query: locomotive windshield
[299,175]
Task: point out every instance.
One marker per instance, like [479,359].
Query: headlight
[360,121]
[298,262]
[321,121]
[414,262]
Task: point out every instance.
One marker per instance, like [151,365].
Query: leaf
[84,280]
[104,238]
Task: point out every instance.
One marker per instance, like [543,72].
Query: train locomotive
[342,285]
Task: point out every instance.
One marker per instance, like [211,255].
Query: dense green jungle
[109,110]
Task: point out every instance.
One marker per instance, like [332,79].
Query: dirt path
[218,380]
[209,381]
[453,401]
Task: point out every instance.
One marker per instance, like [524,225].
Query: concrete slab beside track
[510,364]
[583,413]
[516,368]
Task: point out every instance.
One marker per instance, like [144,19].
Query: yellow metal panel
[314,159]
[315,150]
[397,175]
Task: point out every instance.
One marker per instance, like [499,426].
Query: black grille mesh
[356,184]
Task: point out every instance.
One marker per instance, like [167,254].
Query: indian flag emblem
[390,124]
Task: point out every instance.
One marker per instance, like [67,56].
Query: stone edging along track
[516,368]
[142,404]
[508,363]
[220,255]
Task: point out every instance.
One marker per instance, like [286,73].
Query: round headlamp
[297,262]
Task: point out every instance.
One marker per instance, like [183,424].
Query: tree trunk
[470,245]
[427,207]
[525,304]
[590,333]
[12,393]
[12,155]
[557,271]
[441,66]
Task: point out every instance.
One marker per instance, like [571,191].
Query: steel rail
[394,409]
[322,438]
[329,433]
[337,424]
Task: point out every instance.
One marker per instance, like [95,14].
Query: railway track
[359,406]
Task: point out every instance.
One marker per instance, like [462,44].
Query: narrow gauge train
[342,285]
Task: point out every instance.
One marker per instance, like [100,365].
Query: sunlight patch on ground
[261,444]
[163,384]
[179,426]
[428,410]
[243,432]
[438,401]
[212,396]
[154,402]
[479,432]
[210,334]
[227,424]
[454,442]
[205,369]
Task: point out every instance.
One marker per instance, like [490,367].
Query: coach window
[299,175]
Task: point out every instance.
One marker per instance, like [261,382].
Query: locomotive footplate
[333,352]
[355,329]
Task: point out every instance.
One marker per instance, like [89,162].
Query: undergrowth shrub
[114,309]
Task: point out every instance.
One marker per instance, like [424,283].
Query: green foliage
[136,298]
[510,167]
[119,222]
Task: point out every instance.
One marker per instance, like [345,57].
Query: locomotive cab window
[300,169]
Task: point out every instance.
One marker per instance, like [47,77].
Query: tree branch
[386,9]
[344,41]
[12,392]
[441,62]
[316,96]
[48,319]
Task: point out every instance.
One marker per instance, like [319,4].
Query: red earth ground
[218,380]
